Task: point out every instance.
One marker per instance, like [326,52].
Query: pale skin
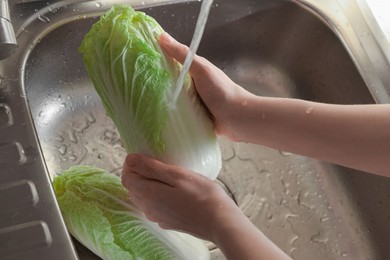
[356,136]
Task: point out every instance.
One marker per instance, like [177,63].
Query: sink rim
[354,24]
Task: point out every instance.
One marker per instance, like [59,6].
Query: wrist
[243,117]
[227,224]
[238,238]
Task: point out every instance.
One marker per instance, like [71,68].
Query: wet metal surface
[311,209]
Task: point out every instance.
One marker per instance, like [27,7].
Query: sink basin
[311,209]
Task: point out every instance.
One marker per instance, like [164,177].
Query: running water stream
[198,33]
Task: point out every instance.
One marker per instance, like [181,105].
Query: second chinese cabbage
[99,213]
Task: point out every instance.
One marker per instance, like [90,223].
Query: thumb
[173,48]
[179,51]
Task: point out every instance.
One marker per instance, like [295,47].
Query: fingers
[186,204]
[145,194]
[143,188]
[149,196]
[151,169]
[173,48]
[179,52]
[149,207]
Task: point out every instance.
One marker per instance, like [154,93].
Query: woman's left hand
[177,198]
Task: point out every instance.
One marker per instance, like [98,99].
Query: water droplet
[3,82]
[309,110]
[53,10]
[72,136]
[59,138]
[263,116]
[90,118]
[98,4]
[319,238]
[43,18]
[323,219]
[63,149]
[5,108]
[109,134]
[285,154]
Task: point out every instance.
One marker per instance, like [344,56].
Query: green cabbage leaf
[98,213]
[136,82]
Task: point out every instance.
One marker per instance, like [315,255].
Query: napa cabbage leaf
[98,212]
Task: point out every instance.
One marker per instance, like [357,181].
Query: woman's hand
[355,136]
[220,94]
[177,198]
[185,201]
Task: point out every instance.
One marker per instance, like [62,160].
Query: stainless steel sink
[311,209]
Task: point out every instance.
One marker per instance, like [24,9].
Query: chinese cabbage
[98,213]
[136,83]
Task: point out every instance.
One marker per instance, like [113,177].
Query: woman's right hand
[219,93]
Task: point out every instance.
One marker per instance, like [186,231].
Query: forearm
[357,136]
[238,238]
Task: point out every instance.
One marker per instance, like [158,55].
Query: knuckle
[142,189]
[131,160]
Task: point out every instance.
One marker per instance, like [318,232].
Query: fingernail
[131,160]
[124,180]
